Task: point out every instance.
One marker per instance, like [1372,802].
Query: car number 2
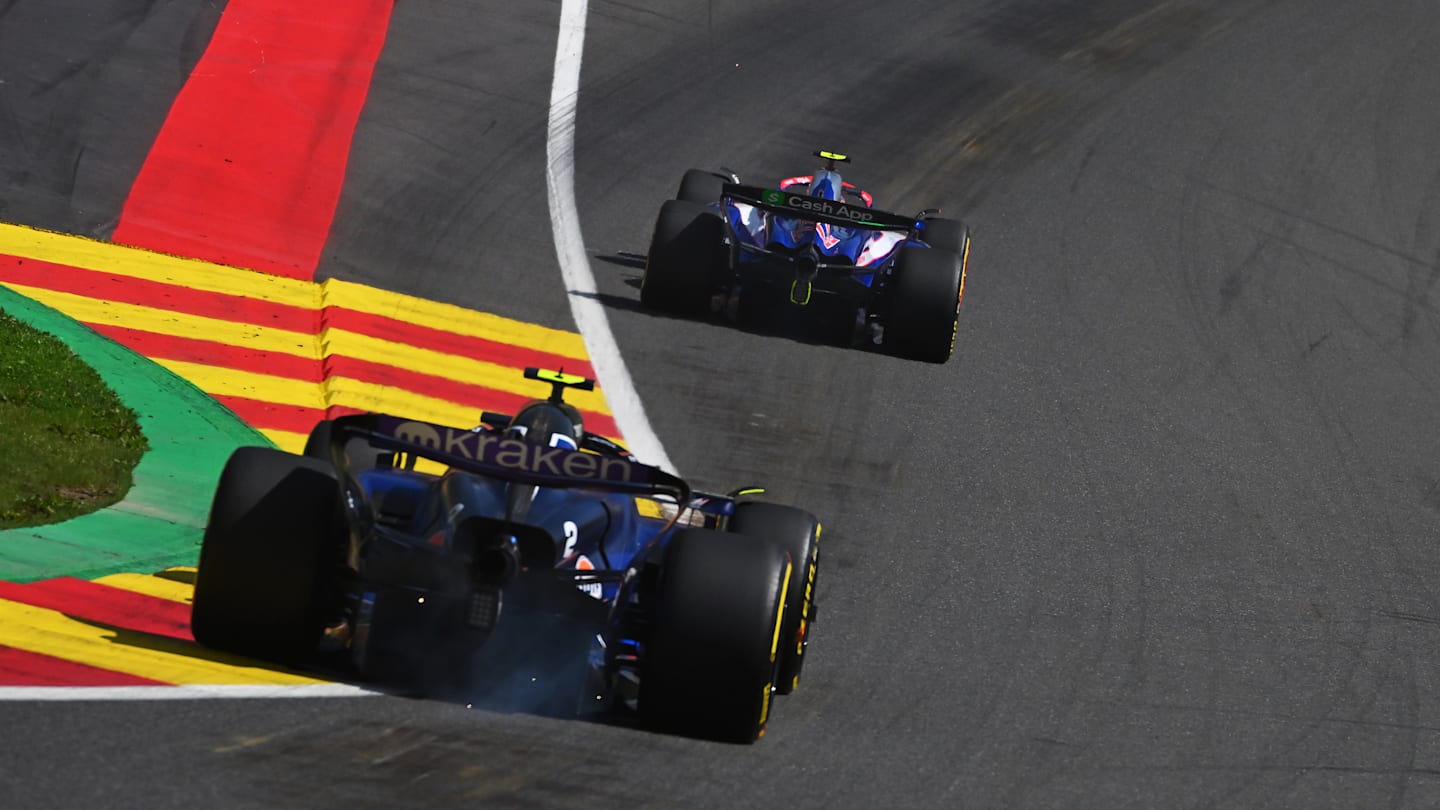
[572,536]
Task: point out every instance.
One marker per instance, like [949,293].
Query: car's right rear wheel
[798,532]
[709,665]
[684,258]
[924,307]
[945,234]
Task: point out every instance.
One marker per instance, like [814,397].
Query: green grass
[67,444]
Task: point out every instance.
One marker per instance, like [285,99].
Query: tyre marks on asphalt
[282,353]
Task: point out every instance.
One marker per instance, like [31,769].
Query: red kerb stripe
[212,353]
[248,166]
[93,602]
[426,337]
[25,668]
[102,286]
[263,415]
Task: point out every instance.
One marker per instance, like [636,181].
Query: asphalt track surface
[1160,535]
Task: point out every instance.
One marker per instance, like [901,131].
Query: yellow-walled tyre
[708,667]
[924,306]
[798,532]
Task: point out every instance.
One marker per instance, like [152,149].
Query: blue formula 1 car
[534,566]
[813,243]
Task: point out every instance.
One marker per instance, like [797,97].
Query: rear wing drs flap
[493,454]
[803,206]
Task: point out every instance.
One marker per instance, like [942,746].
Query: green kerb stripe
[160,521]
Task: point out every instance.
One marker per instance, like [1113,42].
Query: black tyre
[700,186]
[709,665]
[684,259]
[924,306]
[317,444]
[359,452]
[269,559]
[798,533]
[945,234]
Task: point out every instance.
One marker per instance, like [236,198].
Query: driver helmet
[551,424]
[827,185]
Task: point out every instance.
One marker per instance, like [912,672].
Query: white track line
[187,692]
[589,315]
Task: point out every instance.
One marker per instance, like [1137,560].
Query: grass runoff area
[67,443]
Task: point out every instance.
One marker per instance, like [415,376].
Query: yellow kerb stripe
[151,586]
[52,633]
[174,324]
[220,381]
[227,382]
[119,260]
[453,319]
[287,441]
[358,394]
[105,257]
[452,367]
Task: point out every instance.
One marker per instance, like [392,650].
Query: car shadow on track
[774,324]
[183,647]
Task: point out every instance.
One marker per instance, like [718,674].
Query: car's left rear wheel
[685,257]
[269,558]
[359,454]
[700,186]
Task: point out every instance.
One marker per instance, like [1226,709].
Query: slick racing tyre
[709,665]
[798,532]
[358,452]
[269,557]
[945,234]
[700,186]
[684,258]
[924,306]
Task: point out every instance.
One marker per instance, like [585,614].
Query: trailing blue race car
[544,567]
[814,242]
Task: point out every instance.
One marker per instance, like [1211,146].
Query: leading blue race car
[527,564]
[813,242]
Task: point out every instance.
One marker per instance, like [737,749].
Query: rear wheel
[945,234]
[700,186]
[709,665]
[924,307]
[358,452]
[268,559]
[684,259]
[798,532]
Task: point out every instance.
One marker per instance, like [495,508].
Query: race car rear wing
[491,453]
[803,206]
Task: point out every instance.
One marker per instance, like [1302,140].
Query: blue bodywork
[482,572]
[834,243]
[588,529]
[789,240]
